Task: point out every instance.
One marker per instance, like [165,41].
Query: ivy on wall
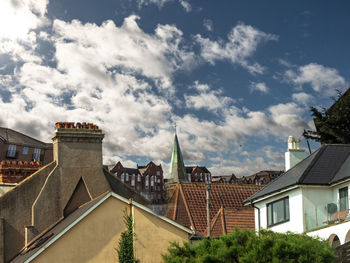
[126,242]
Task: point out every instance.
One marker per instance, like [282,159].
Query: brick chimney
[77,145]
[293,154]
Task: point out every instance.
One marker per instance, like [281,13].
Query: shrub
[245,246]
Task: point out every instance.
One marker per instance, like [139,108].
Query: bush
[245,246]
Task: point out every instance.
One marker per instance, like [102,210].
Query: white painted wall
[341,230]
[295,223]
[302,202]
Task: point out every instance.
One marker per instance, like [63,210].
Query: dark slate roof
[328,165]
[43,239]
[124,190]
[15,137]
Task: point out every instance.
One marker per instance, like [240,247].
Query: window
[11,151]
[133,180]
[36,154]
[25,150]
[146,181]
[139,178]
[343,199]
[189,177]
[126,177]
[152,181]
[122,177]
[278,211]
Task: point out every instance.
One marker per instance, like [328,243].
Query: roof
[16,137]
[190,169]
[227,219]
[326,166]
[123,189]
[187,205]
[46,239]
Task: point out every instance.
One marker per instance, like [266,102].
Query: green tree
[245,246]
[333,124]
[126,242]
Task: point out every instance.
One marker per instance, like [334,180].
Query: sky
[237,77]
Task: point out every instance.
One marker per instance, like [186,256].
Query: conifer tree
[333,124]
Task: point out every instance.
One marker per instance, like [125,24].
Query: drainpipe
[251,203]
[208,186]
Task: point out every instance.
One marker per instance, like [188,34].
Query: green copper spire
[177,167]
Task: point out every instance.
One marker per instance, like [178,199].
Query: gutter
[251,203]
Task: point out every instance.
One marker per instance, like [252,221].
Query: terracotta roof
[187,205]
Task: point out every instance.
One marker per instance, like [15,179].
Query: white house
[311,197]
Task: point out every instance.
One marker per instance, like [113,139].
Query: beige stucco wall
[153,236]
[95,238]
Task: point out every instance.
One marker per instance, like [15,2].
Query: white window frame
[11,152]
[36,154]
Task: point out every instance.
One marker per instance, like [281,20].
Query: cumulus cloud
[241,44]
[258,86]
[206,98]
[302,98]
[321,79]
[105,47]
[22,15]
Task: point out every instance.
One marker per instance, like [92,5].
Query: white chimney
[293,154]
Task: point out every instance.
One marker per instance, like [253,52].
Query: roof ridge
[335,174]
[306,171]
[186,206]
[23,135]
[279,177]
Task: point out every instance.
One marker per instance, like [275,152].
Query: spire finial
[175,127]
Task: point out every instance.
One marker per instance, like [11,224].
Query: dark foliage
[246,247]
[332,125]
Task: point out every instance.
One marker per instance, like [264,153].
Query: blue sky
[238,77]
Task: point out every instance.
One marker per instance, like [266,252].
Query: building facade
[15,146]
[311,197]
[148,180]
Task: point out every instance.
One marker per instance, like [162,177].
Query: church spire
[177,167]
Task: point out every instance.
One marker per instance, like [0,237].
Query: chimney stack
[293,154]
[77,145]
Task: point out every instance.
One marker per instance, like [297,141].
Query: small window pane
[25,150]
[343,199]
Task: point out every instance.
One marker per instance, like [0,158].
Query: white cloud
[206,98]
[322,79]
[208,24]
[105,47]
[302,98]
[242,43]
[186,5]
[22,15]
[258,86]
[160,3]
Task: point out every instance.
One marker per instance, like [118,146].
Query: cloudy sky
[237,77]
